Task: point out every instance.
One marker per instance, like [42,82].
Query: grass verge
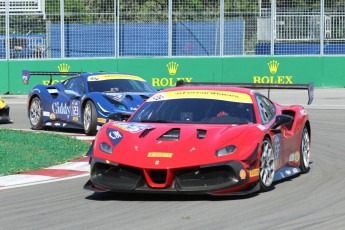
[22,151]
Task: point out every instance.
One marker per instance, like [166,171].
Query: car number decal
[277,140]
[75,106]
[114,135]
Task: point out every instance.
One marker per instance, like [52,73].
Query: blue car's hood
[131,100]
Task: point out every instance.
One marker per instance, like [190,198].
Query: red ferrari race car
[203,139]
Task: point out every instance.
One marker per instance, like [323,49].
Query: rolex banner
[164,72]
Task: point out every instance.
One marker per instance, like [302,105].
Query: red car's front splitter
[209,179]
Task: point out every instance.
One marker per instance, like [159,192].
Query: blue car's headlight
[226,150]
[106,148]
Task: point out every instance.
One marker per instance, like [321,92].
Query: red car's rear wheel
[266,165]
[305,151]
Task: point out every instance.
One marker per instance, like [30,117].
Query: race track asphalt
[312,201]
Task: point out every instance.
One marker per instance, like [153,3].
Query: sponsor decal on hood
[210,94]
[133,128]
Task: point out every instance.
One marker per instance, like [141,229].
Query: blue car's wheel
[90,118]
[36,113]
[266,174]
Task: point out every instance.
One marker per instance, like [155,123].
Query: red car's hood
[162,145]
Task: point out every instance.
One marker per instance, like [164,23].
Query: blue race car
[85,100]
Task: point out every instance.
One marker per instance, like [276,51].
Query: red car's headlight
[105,147]
[226,150]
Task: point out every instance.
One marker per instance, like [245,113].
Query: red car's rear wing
[309,87]
[26,75]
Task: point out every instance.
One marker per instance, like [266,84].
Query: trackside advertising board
[164,72]
[4,77]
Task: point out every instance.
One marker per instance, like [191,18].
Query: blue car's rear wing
[309,87]
[26,75]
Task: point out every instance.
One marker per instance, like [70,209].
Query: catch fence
[42,29]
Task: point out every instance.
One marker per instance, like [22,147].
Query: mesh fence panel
[334,27]
[27,36]
[90,33]
[2,37]
[195,28]
[143,28]
[131,28]
[52,18]
[297,28]
[240,27]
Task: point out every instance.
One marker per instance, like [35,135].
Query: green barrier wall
[4,75]
[15,71]
[277,70]
[164,72]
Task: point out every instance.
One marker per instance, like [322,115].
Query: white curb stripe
[43,182]
[21,179]
[80,166]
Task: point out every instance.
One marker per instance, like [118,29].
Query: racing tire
[305,151]
[36,114]
[90,118]
[266,172]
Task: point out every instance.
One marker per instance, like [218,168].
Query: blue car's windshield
[120,86]
[195,110]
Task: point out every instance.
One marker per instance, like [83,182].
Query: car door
[267,114]
[68,107]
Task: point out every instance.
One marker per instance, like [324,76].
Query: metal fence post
[170,25]
[7,33]
[62,28]
[273,25]
[221,28]
[322,24]
[116,28]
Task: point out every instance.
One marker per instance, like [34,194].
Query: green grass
[22,151]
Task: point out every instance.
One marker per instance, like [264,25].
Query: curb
[72,169]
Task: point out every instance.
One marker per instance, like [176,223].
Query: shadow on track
[106,196]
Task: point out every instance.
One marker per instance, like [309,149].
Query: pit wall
[164,72]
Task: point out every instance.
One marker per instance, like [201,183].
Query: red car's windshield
[195,110]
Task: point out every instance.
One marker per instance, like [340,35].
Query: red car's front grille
[158,176]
